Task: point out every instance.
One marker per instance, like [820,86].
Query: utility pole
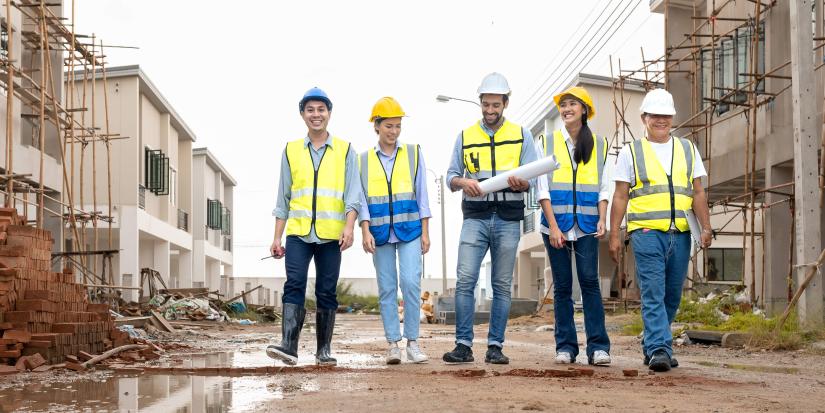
[803,94]
[443,237]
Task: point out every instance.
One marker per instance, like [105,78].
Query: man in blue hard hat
[319,196]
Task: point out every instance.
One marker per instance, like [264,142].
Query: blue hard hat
[315,94]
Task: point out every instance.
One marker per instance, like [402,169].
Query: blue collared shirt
[352,185]
[456,169]
[421,197]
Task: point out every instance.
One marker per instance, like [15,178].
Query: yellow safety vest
[317,196]
[574,194]
[484,157]
[392,200]
[657,200]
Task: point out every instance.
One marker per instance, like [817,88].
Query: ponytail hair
[584,142]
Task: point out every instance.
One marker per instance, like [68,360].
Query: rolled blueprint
[529,171]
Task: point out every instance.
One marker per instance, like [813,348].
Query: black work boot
[673,362]
[659,361]
[460,354]
[324,324]
[292,321]
[495,356]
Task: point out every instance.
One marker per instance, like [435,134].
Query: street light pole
[443,238]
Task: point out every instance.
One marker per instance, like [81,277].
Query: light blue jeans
[477,236]
[409,267]
[661,267]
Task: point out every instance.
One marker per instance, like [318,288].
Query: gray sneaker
[394,354]
[414,353]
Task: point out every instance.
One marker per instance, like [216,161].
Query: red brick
[97,308]
[13,354]
[84,356]
[44,336]
[5,326]
[21,364]
[34,361]
[7,370]
[42,369]
[65,327]
[39,295]
[7,341]
[19,335]
[34,305]
[75,366]
[72,359]
[40,344]
[19,316]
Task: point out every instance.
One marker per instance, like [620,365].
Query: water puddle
[191,392]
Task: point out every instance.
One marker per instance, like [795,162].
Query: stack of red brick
[43,312]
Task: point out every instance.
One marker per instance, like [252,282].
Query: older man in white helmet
[661,177]
[491,221]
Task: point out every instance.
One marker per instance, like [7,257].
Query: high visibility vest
[574,193]
[392,200]
[657,200]
[484,157]
[317,195]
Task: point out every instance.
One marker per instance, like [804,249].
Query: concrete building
[212,259]
[155,192]
[25,124]
[719,95]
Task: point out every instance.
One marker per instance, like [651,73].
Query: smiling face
[388,131]
[571,111]
[316,115]
[492,108]
[658,126]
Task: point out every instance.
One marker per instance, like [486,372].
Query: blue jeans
[409,267]
[477,236]
[587,266]
[661,267]
[327,257]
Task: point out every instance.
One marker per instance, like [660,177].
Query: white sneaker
[564,357]
[394,354]
[600,358]
[414,353]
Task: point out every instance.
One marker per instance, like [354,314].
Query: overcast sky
[235,72]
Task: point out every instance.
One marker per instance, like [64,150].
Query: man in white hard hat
[660,175]
[491,221]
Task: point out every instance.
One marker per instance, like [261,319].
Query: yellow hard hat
[386,107]
[581,94]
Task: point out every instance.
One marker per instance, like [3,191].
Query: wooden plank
[184,291]
[243,294]
[133,321]
[162,320]
[705,336]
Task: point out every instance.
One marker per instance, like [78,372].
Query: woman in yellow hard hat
[574,203]
[393,217]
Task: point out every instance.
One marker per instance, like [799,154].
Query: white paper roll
[529,171]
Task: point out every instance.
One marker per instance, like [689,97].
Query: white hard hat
[494,83]
[658,102]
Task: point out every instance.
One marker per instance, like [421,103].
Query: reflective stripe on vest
[484,158]
[657,200]
[317,196]
[392,201]
[574,194]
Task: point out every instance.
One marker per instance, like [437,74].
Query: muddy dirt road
[226,370]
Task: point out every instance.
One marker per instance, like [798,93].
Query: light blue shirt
[456,169]
[421,198]
[352,185]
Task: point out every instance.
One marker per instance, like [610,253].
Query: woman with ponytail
[573,199]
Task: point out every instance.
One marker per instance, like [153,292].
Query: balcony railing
[142,196]
[227,244]
[183,220]
[529,223]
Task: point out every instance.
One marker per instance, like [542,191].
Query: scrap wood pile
[45,316]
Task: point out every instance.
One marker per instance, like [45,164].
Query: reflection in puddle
[164,393]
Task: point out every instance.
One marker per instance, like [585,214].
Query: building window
[226,221]
[156,171]
[529,223]
[4,42]
[214,214]
[173,186]
[733,69]
[725,264]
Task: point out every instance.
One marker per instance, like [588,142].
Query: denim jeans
[477,236]
[661,267]
[586,249]
[409,269]
[327,257]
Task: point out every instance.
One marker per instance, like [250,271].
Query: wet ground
[227,370]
